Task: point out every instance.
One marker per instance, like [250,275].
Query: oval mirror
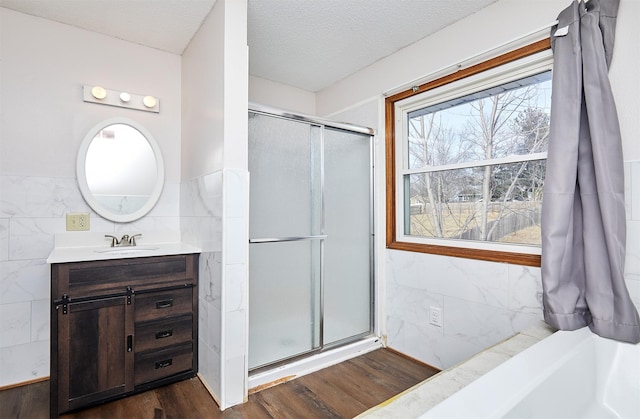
[120,170]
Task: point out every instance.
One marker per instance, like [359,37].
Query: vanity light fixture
[98,94]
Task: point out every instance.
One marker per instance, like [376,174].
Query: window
[466,160]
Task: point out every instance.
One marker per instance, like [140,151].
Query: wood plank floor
[341,391]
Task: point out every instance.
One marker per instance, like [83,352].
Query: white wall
[490,27]
[623,74]
[482,302]
[43,119]
[214,193]
[203,98]
[45,64]
[280,96]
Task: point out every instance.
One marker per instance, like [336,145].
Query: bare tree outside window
[476,168]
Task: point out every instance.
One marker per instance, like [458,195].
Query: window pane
[499,203]
[509,119]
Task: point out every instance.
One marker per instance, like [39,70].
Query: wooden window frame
[390,147]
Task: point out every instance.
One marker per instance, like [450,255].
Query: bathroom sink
[79,251]
[127,249]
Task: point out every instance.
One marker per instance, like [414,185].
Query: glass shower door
[285,240]
[347,283]
[310,228]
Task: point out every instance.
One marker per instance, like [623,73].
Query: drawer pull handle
[164,364]
[164,304]
[164,334]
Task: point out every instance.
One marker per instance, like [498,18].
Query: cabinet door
[95,354]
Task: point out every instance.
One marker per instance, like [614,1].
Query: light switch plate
[78,221]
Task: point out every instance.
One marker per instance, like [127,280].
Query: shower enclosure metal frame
[322,123]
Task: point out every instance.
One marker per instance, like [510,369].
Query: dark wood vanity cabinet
[121,326]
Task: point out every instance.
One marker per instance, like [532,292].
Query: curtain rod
[472,60]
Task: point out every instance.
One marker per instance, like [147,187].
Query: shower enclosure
[311,236]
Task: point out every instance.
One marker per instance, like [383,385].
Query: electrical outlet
[78,221]
[435,316]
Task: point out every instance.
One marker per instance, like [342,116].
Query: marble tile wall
[632,258]
[32,211]
[214,212]
[201,213]
[482,302]
[235,296]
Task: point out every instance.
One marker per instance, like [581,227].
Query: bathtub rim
[485,397]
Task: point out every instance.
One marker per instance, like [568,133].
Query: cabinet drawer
[94,278]
[158,334]
[155,365]
[163,304]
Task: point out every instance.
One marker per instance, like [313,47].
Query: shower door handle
[287,239]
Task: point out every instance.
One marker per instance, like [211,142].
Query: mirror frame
[82,175]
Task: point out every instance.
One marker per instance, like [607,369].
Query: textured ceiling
[309,44]
[167,25]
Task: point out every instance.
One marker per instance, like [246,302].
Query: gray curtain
[583,211]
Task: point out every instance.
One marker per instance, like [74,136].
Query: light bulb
[149,101]
[99,92]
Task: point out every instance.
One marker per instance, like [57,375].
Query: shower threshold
[262,379]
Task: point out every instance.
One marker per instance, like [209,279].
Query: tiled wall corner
[482,303]
[235,286]
[214,217]
[210,320]
[201,225]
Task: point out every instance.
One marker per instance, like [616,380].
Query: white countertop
[73,247]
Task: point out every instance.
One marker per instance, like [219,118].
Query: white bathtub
[567,375]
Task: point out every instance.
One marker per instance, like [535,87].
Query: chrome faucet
[132,239]
[124,241]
